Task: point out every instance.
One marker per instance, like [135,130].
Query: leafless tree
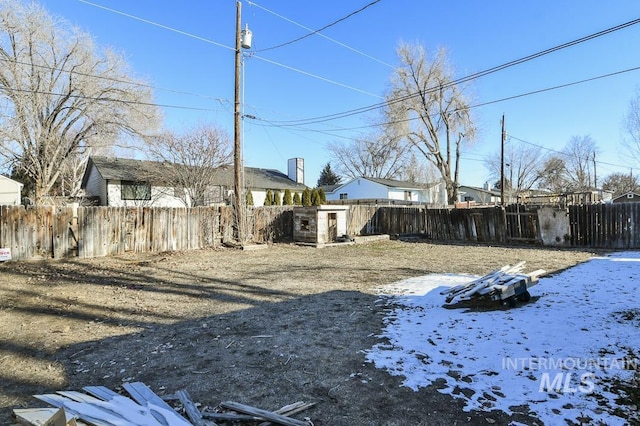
[553,175]
[524,166]
[620,183]
[60,94]
[631,125]
[431,111]
[579,156]
[381,154]
[192,159]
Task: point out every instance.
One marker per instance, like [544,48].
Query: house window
[344,196]
[629,195]
[407,195]
[304,224]
[468,198]
[132,190]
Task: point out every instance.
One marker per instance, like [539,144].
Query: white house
[10,192]
[476,195]
[388,190]
[122,182]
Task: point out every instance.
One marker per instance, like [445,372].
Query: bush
[286,200]
[306,197]
[268,199]
[296,199]
[315,197]
[277,198]
[249,198]
[323,196]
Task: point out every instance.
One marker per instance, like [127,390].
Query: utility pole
[502,137]
[237,139]
[595,173]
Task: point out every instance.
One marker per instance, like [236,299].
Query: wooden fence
[62,232]
[614,226]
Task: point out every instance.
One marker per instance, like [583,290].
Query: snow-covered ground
[559,353]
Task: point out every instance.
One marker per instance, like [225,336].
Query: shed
[629,197]
[319,225]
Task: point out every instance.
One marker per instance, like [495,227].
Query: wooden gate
[522,223]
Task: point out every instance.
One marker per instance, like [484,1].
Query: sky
[558,353]
[185,50]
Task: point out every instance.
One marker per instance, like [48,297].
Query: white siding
[10,192]
[96,186]
[160,197]
[360,188]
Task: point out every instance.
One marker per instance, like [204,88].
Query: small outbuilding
[629,197]
[319,225]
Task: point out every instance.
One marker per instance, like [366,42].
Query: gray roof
[152,171]
[112,168]
[392,183]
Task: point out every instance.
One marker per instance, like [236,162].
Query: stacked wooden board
[507,285]
[100,406]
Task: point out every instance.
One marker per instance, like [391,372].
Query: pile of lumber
[507,284]
[100,406]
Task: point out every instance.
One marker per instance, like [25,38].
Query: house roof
[626,195]
[257,178]
[153,171]
[390,183]
[113,168]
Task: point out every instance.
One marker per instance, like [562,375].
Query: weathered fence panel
[29,232]
[613,226]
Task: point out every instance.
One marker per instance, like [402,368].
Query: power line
[508,98]
[318,32]
[228,47]
[115,80]
[564,153]
[101,99]
[468,78]
[155,24]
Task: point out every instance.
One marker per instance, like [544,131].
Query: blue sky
[188,47]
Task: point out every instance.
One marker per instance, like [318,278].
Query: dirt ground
[265,328]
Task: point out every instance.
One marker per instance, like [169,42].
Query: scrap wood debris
[506,285]
[100,406]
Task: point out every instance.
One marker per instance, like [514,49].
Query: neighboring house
[388,190]
[629,197]
[123,182]
[10,192]
[480,196]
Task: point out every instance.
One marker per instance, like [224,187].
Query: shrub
[296,199]
[286,200]
[268,199]
[306,197]
[277,198]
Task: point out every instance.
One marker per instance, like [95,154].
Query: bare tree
[553,176]
[524,165]
[192,159]
[60,95]
[579,156]
[631,125]
[431,111]
[380,155]
[620,183]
